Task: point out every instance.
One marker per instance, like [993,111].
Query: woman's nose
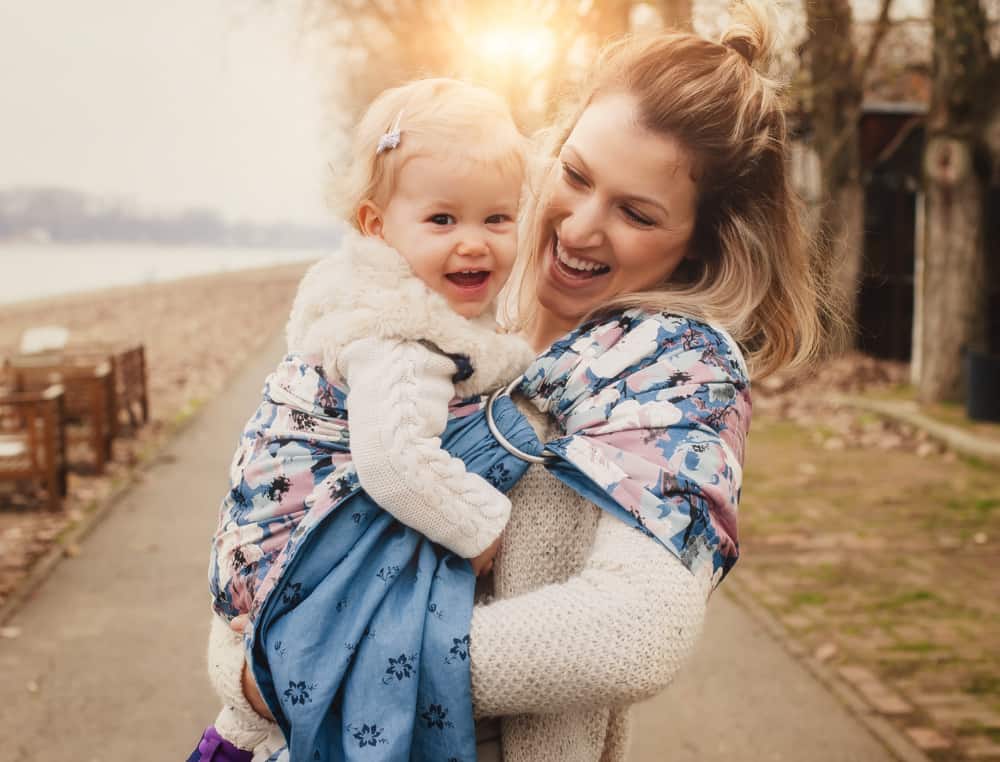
[583,227]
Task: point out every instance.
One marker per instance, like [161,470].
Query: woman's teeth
[580,265]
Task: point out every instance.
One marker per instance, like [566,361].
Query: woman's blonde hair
[748,267]
[442,117]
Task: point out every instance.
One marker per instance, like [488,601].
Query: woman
[667,204]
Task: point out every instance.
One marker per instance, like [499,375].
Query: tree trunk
[836,94]
[953,297]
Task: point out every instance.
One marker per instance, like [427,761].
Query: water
[31,271]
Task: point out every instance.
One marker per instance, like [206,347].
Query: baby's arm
[397,406]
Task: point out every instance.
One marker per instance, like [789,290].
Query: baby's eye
[441,219]
[497,219]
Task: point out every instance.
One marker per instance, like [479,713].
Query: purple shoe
[215,748]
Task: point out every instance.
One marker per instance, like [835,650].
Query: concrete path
[109,663]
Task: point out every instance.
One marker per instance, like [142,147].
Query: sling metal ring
[545,457]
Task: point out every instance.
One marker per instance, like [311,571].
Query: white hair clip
[391,138]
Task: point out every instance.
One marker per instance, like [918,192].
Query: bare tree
[951,295]
[378,43]
[838,74]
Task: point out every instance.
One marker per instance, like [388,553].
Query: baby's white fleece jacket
[380,329]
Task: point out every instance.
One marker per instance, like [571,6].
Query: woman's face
[621,214]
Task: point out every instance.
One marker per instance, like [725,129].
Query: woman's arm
[397,406]
[615,633]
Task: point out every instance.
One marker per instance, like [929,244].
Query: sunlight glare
[528,45]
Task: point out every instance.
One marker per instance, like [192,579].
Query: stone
[797,621]
[825,652]
[981,747]
[875,692]
[928,739]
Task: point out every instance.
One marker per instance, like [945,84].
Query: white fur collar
[366,288]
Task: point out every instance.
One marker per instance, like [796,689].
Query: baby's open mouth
[574,267]
[469,278]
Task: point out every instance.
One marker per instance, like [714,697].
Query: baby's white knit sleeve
[614,634]
[397,406]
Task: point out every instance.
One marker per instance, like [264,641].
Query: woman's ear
[370,219]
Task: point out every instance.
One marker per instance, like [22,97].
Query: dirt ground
[197,331]
[878,550]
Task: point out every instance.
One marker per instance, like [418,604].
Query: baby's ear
[370,219]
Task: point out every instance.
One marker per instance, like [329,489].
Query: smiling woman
[665,189]
[622,212]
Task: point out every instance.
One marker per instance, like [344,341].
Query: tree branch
[882,26]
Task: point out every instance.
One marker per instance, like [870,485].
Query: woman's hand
[250,690]
[483,563]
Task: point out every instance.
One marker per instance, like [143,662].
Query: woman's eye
[572,176]
[441,219]
[497,219]
[636,217]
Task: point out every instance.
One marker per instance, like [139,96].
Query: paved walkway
[109,665]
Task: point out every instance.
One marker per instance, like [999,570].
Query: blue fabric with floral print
[361,648]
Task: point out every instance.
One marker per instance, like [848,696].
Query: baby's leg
[237,723]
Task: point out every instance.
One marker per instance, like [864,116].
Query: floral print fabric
[655,410]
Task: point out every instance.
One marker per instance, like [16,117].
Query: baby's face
[454,222]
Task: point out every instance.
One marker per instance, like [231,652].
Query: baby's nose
[471,246]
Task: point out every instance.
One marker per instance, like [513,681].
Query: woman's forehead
[610,140]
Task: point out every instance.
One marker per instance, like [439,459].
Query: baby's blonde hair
[438,116]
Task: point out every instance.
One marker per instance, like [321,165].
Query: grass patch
[902,600]
[916,647]
[982,684]
[808,598]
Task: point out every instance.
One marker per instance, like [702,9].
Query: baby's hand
[483,563]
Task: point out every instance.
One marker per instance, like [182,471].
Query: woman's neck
[547,328]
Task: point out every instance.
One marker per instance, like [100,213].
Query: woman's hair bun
[751,31]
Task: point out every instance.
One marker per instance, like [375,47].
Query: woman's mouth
[575,268]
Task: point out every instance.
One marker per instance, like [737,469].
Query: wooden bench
[89,408]
[32,441]
[128,368]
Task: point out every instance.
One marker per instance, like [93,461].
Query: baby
[383,335]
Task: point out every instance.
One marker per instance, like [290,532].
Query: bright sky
[168,104]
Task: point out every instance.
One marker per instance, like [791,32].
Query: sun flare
[532,46]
